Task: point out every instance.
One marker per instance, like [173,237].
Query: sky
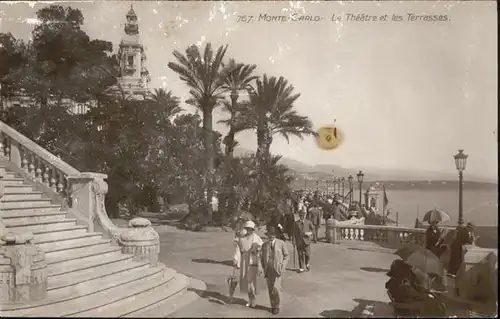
[404,94]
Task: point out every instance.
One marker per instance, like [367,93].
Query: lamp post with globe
[350,178]
[360,176]
[461,163]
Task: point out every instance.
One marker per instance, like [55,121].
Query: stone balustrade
[23,269]
[81,193]
[393,236]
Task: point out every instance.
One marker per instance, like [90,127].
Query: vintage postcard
[177,158]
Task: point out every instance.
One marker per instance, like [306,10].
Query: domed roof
[131,12]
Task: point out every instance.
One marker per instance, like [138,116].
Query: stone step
[33,216]
[40,208]
[136,298]
[79,253]
[34,226]
[84,289]
[18,188]
[12,181]
[63,236]
[98,299]
[55,233]
[63,249]
[24,203]
[8,196]
[140,301]
[62,246]
[167,308]
[8,175]
[81,276]
[86,263]
[109,282]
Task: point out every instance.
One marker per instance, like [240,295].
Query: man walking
[316,221]
[274,260]
[302,239]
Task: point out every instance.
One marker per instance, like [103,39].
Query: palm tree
[205,76]
[271,111]
[238,80]
[167,101]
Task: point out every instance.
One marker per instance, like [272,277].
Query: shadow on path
[374,269]
[228,263]
[363,304]
[218,298]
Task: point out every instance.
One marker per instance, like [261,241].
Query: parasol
[436,215]
[407,250]
[232,282]
[426,261]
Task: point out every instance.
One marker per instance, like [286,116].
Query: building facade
[132,82]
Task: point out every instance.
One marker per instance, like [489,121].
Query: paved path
[343,282]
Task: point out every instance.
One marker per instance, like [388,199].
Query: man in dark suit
[302,240]
[316,221]
[274,259]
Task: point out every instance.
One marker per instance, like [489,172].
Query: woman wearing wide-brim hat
[247,260]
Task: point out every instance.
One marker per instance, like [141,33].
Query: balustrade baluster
[53,180]
[60,182]
[46,175]
[356,234]
[24,161]
[351,234]
[38,170]
[2,145]
[7,147]
[362,234]
[31,166]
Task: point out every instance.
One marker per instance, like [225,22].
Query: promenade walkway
[344,281]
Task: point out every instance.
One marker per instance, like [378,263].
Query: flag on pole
[386,200]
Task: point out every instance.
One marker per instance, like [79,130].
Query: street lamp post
[460,162]
[360,181]
[350,178]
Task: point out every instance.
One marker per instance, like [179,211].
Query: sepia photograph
[249,159]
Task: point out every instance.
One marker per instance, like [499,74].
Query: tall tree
[238,80]
[168,103]
[205,76]
[12,57]
[271,111]
[64,62]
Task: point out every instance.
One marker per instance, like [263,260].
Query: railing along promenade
[390,235]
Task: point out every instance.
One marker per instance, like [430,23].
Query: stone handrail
[83,193]
[30,152]
[390,235]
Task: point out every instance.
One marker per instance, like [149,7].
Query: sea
[480,206]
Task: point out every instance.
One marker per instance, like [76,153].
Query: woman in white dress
[246,259]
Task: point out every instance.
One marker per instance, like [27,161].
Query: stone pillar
[82,206]
[332,231]
[141,240]
[23,270]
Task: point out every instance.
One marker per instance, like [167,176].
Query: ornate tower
[134,76]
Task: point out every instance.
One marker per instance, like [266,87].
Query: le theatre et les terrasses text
[345,17]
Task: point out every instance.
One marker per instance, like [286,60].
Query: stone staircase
[88,276]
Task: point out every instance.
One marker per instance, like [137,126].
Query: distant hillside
[325,171]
